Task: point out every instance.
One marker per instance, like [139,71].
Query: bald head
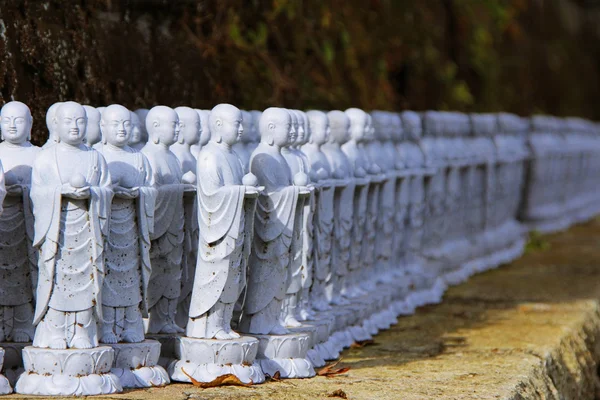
[116,125]
[275,124]
[15,122]
[340,125]
[205,129]
[92,129]
[70,122]
[225,123]
[189,125]
[319,126]
[162,125]
[358,123]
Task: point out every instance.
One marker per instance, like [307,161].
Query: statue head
[340,126]
[293,133]
[307,132]
[411,123]
[225,123]
[255,129]
[136,129]
[162,124]
[15,122]
[359,124]
[189,125]
[398,131]
[205,129]
[248,127]
[116,125]
[142,113]
[100,109]
[70,122]
[275,125]
[92,130]
[301,132]
[50,119]
[319,127]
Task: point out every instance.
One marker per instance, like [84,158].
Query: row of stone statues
[178,244]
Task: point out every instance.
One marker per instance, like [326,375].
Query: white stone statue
[323,220]
[92,130]
[166,253]
[273,226]
[71,195]
[142,113]
[189,135]
[343,204]
[227,200]
[136,142]
[18,271]
[127,255]
[354,150]
[52,136]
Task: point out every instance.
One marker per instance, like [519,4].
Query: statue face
[301,132]
[15,122]
[70,122]
[189,128]
[92,129]
[320,132]
[116,125]
[164,125]
[204,128]
[231,128]
[136,129]
[293,132]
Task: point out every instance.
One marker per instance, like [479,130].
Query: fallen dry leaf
[361,344]
[275,378]
[329,370]
[338,393]
[223,380]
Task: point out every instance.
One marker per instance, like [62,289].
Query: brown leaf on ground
[338,393]
[329,370]
[223,380]
[275,378]
[362,343]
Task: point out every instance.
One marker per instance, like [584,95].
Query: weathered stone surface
[530,330]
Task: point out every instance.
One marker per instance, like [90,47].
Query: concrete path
[529,330]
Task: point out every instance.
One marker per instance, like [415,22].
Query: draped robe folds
[220,271]
[18,272]
[166,250]
[273,230]
[70,274]
[132,221]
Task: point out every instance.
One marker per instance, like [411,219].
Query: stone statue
[226,210]
[205,132]
[92,130]
[127,250]
[190,131]
[71,197]
[343,204]
[135,142]
[167,239]
[52,136]
[273,226]
[127,255]
[18,270]
[323,219]
[355,151]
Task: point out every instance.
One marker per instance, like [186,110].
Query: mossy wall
[522,56]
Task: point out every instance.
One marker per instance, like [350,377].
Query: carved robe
[70,233]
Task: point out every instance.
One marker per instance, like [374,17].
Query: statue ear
[270,140]
[219,139]
[156,124]
[218,122]
[271,126]
[155,139]
[104,140]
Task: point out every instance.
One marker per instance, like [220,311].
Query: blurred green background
[522,56]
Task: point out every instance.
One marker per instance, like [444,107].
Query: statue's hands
[14,190]
[360,172]
[126,193]
[72,192]
[253,191]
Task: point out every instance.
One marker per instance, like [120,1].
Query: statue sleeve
[2,188]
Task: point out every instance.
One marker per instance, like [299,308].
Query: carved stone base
[71,372]
[313,355]
[168,345]
[13,360]
[286,354]
[207,359]
[136,364]
[5,387]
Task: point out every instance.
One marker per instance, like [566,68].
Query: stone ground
[528,330]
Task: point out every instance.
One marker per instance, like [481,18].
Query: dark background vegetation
[523,56]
